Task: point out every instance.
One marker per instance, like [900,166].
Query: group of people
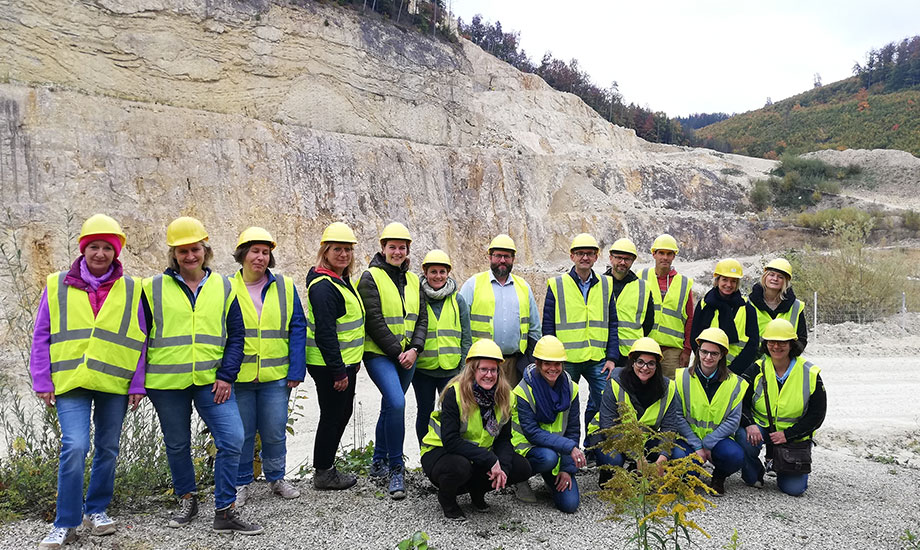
[506,377]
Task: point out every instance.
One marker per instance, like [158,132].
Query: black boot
[450,507]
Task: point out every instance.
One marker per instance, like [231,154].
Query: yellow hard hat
[185,230]
[779,329]
[549,348]
[625,246]
[665,242]
[781,265]
[338,232]
[255,234]
[436,256]
[729,268]
[584,240]
[646,345]
[100,224]
[503,242]
[485,349]
[395,230]
[714,335]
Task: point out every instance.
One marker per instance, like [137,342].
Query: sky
[703,56]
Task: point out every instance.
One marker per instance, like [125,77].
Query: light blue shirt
[507,317]
[207,273]
[584,287]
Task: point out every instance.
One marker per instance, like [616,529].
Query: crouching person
[468,445]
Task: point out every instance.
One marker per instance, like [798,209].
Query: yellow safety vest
[702,415]
[94,352]
[789,404]
[482,310]
[471,429]
[186,343]
[442,343]
[399,312]
[792,315]
[523,397]
[652,416]
[349,327]
[631,304]
[734,348]
[266,352]
[670,311]
[582,326]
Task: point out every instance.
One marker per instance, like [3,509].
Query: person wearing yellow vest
[774,298]
[194,355]
[273,360]
[503,308]
[710,397]
[335,344]
[632,295]
[798,404]
[397,325]
[468,445]
[725,307]
[673,297]
[644,388]
[545,424]
[87,357]
[448,338]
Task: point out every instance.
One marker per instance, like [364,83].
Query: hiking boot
[479,502]
[717,483]
[524,493]
[450,507]
[603,476]
[228,520]
[379,469]
[99,524]
[770,472]
[59,536]
[284,489]
[188,509]
[397,488]
[243,492]
[331,479]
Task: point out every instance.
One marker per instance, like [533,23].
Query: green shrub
[911,220]
[761,197]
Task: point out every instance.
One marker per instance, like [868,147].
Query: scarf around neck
[486,401]
[549,400]
[727,307]
[449,288]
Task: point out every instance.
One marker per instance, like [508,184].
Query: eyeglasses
[707,353]
[487,372]
[500,257]
[650,365]
[584,253]
[623,259]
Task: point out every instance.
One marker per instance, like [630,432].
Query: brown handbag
[791,457]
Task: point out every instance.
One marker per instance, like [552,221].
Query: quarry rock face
[291,115]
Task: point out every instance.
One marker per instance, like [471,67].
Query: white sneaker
[284,489]
[59,536]
[99,524]
[243,492]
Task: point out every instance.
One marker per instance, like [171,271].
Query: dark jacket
[756,299]
[806,424]
[538,437]
[453,443]
[327,305]
[375,326]
[549,316]
[703,317]
[649,322]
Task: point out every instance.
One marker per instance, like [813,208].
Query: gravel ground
[864,491]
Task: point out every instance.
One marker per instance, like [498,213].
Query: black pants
[455,475]
[335,409]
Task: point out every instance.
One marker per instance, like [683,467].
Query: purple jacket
[97,289]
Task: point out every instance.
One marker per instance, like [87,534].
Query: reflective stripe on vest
[652,416]
[582,326]
[702,415]
[631,304]
[734,348]
[471,429]
[522,395]
[400,313]
[266,352]
[96,352]
[482,310]
[349,327]
[790,403]
[670,311]
[186,342]
[793,315]
[442,343]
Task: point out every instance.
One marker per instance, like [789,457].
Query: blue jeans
[542,461]
[596,381]
[679,451]
[264,408]
[753,469]
[727,457]
[73,410]
[426,387]
[174,409]
[392,380]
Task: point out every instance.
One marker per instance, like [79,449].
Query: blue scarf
[550,401]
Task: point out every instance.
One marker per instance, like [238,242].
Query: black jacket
[649,322]
[702,319]
[805,425]
[756,299]
[327,305]
[374,324]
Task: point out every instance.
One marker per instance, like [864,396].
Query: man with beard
[503,309]
[635,306]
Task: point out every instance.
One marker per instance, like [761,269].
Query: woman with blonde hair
[468,444]
[773,298]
